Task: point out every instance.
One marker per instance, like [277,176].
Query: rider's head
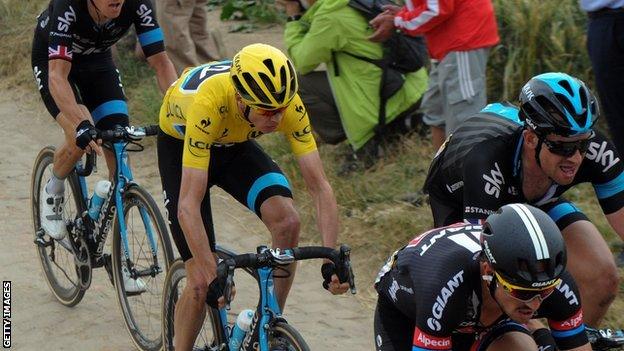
[525,255]
[559,112]
[265,80]
[106,9]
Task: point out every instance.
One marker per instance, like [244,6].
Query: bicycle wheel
[283,337]
[150,258]
[210,336]
[56,257]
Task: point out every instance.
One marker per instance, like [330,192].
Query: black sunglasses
[567,148]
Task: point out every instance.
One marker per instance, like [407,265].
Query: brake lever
[229,282]
[345,259]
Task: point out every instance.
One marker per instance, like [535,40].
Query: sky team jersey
[200,108]
[439,283]
[479,167]
[70,33]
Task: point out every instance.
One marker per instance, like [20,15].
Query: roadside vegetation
[536,36]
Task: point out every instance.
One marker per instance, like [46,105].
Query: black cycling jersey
[478,169]
[66,31]
[435,282]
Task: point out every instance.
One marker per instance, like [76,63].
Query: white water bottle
[99,194]
[240,329]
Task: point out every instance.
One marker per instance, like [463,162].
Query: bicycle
[141,248]
[268,328]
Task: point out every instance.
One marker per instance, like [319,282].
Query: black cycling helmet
[575,105]
[524,246]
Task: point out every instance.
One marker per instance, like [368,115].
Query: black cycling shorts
[95,81]
[243,170]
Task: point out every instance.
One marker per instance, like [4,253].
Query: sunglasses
[523,294]
[567,148]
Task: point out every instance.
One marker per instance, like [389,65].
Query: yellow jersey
[201,109]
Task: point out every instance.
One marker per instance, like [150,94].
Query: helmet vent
[241,89]
[566,85]
[293,79]
[269,64]
[255,88]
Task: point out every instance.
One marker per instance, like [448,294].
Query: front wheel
[283,337]
[139,277]
[57,257]
[210,337]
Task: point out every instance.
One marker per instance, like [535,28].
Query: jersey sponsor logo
[568,324]
[61,52]
[301,110]
[44,22]
[254,134]
[223,109]
[569,294]
[451,188]
[145,13]
[445,293]
[302,135]
[395,287]
[37,72]
[442,233]
[174,110]
[494,181]
[66,20]
[600,154]
[197,148]
[424,340]
[473,209]
[203,124]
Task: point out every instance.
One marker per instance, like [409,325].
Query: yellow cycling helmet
[264,77]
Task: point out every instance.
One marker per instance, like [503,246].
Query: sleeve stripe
[557,212]
[151,37]
[557,334]
[610,188]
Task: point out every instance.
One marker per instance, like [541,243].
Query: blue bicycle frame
[268,309]
[123,179]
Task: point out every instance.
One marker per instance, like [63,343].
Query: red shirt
[450,25]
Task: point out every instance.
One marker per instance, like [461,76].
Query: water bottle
[241,327]
[99,194]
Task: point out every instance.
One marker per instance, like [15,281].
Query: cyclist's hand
[86,135]
[331,281]
[221,300]
[336,287]
[214,298]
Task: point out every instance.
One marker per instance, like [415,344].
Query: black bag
[402,54]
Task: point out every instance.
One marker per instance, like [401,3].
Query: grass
[536,37]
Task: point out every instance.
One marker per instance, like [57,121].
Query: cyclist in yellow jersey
[209,120]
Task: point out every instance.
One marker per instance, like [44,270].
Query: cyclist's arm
[323,195]
[62,92]
[616,220]
[192,192]
[165,72]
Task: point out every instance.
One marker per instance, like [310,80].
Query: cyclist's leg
[191,307]
[250,175]
[52,201]
[103,95]
[589,259]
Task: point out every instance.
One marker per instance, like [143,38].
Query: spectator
[605,44]
[459,34]
[184,24]
[344,101]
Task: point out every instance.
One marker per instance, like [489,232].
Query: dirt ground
[40,322]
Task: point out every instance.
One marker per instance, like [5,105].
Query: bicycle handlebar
[275,258]
[118,134]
